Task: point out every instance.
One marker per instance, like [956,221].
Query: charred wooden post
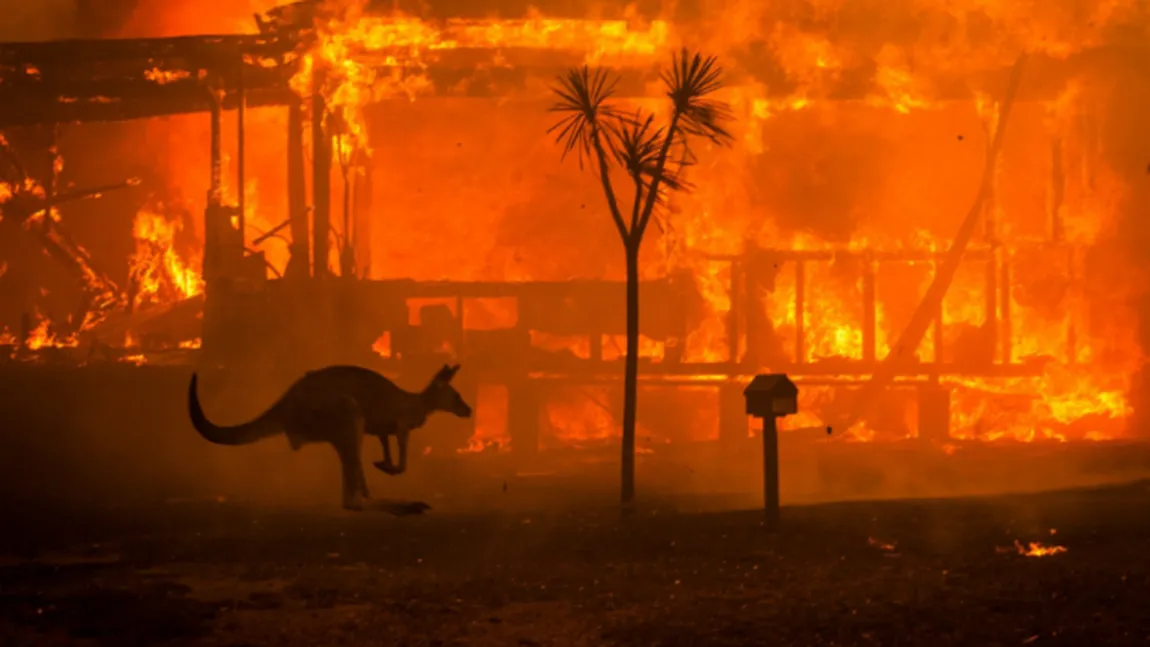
[1057,191]
[761,270]
[912,334]
[755,314]
[363,216]
[321,178]
[933,412]
[990,203]
[732,419]
[523,400]
[1004,310]
[990,326]
[595,343]
[241,154]
[26,327]
[939,351]
[735,313]
[1071,324]
[869,309]
[214,210]
[770,397]
[800,307]
[299,265]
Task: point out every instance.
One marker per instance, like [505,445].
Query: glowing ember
[884,546]
[1033,549]
[43,337]
[163,77]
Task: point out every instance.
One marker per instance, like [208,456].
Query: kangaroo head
[443,397]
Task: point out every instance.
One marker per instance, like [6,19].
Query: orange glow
[42,337]
[471,189]
[160,273]
[1034,549]
[162,77]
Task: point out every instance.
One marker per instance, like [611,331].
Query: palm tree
[654,158]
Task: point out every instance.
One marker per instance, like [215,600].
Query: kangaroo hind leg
[347,438]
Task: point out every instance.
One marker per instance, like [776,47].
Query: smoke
[40,20]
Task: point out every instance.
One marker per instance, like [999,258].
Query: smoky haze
[31,21]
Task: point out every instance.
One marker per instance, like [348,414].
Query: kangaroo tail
[242,434]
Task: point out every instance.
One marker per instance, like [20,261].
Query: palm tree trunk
[631,373]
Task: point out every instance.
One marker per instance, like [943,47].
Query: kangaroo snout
[463,411]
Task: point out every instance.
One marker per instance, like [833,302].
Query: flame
[491,422]
[800,146]
[42,337]
[885,546]
[160,273]
[1033,549]
[163,77]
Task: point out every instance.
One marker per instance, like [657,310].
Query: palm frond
[691,78]
[584,96]
[637,144]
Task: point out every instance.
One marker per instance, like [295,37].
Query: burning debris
[884,546]
[805,249]
[1032,549]
[159,274]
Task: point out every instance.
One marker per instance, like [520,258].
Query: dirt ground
[940,572]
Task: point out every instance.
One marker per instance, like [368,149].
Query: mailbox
[772,395]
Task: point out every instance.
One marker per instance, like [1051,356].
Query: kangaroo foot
[387,468]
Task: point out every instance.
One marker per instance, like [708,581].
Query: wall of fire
[471,189]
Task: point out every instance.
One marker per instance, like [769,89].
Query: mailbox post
[770,397]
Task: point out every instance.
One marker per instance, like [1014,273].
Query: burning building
[362,183]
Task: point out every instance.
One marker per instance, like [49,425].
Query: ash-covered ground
[938,572]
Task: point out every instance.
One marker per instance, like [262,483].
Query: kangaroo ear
[446,373]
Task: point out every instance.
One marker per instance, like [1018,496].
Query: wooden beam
[870,305]
[300,264]
[321,180]
[108,80]
[800,314]
[903,348]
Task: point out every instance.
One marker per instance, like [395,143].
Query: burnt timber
[116,80]
[76,81]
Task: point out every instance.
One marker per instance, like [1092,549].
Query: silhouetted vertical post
[1057,191]
[770,397]
[215,220]
[1071,323]
[771,470]
[25,330]
[939,356]
[991,306]
[213,213]
[1004,291]
[300,264]
[735,312]
[800,307]
[241,156]
[869,305]
[363,215]
[321,178]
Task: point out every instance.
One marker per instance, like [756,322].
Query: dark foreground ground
[890,573]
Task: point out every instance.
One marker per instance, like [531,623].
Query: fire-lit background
[861,125]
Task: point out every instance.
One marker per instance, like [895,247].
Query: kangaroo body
[339,405]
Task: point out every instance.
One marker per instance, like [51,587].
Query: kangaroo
[339,405]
